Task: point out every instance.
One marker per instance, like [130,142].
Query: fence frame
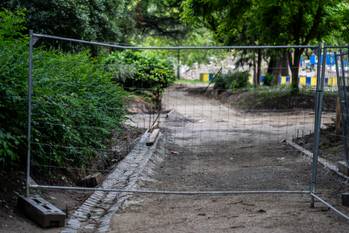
[322,49]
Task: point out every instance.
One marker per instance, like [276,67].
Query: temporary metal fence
[342,81]
[194,140]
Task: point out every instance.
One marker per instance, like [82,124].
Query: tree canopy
[267,21]
[272,22]
[248,22]
[160,18]
[97,20]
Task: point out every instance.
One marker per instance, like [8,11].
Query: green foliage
[76,107]
[77,100]
[108,20]
[11,24]
[76,104]
[344,18]
[271,22]
[239,80]
[13,77]
[268,80]
[143,69]
[195,37]
[160,18]
[231,81]
[203,37]
[267,21]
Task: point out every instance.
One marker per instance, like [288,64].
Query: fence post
[30,92]
[317,122]
[178,64]
[344,108]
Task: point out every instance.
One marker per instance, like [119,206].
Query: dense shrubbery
[13,76]
[75,105]
[77,101]
[231,80]
[145,69]
[268,80]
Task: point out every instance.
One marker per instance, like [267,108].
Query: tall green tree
[160,18]
[268,22]
[108,20]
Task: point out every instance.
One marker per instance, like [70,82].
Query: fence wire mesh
[332,182]
[213,138]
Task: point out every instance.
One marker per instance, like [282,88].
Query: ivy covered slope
[77,100]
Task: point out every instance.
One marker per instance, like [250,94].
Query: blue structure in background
[313,59]
[261,79]
[330,59]
[308,81]
[305,79]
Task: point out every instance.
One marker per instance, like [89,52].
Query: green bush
[13,81]
[77,100]
[268,80]
[220,83]
[231,80]
[142,69]
[76,107]
[239,80]
[76,104]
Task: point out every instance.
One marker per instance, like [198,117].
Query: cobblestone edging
[95,214]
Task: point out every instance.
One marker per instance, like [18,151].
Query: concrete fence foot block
[41,211]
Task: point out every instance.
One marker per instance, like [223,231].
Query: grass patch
[187,81]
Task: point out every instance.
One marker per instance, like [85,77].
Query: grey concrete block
[41,211]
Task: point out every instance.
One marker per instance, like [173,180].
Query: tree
[268,22]
[160,18]
[108,20]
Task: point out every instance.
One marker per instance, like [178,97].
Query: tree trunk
[284,64]
[278,66]
[259,65]
[295,68]
[254,71]
[271,64]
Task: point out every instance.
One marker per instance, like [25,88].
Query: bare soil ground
[209,146]
[331,143]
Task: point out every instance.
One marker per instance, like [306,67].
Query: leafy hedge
[76,105]
[77,100]
[145,69]
[231,81]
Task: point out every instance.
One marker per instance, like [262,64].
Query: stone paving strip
[95,214]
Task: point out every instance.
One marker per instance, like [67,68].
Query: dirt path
[208,146]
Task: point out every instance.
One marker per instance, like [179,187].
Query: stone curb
[95,214]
